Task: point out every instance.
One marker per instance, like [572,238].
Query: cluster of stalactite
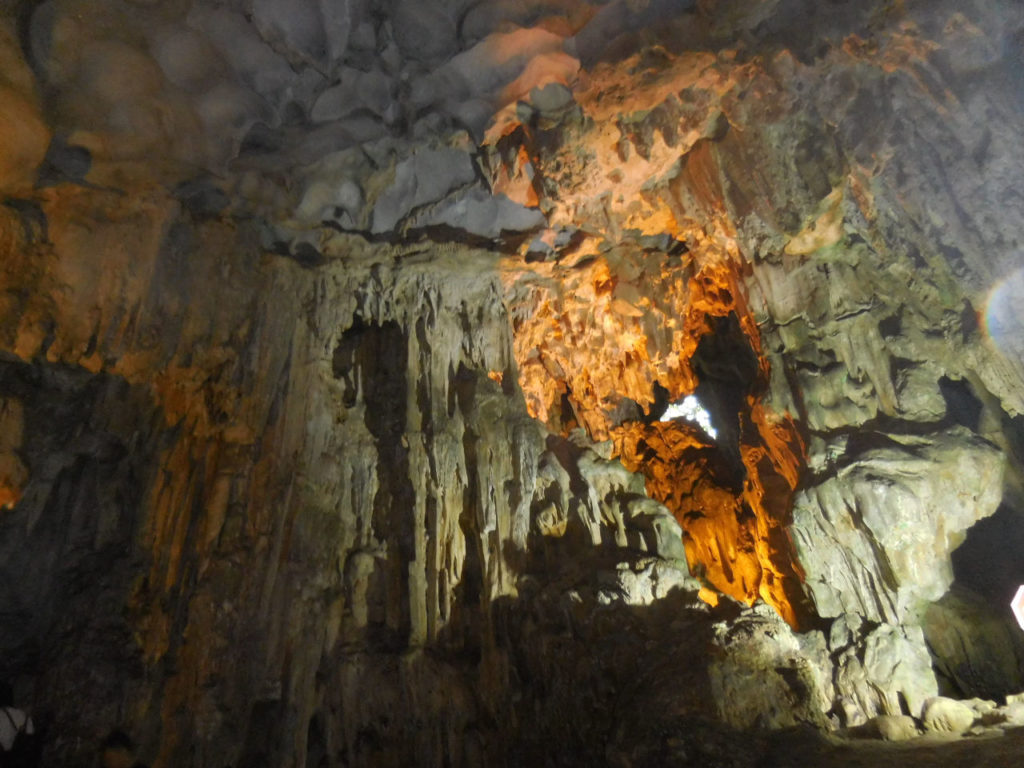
[589,358]
[732,495]
[735,535]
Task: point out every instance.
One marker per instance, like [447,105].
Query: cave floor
[994,749]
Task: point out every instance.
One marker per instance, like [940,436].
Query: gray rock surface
[478,212]
[312,32]
[425,177]
[874,534]
[770,677]
[884,670]
[978,649]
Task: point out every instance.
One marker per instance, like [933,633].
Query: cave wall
[304,538]
[287,516]
[331,364]
[837,170]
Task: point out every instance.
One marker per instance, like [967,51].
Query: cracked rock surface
[337,340]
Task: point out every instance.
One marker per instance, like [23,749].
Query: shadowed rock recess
[343,347]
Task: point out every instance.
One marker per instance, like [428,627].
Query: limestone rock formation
[895,727]
[948,715]
[340,345]
[882,670]
[975,649]
[874,529]
[770,677]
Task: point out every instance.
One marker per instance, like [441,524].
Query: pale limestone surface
[895,727]
[945,715]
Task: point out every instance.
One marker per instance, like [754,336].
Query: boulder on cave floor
[894,727]
[944,715]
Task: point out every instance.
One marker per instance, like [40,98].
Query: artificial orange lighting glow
[13,473]
[608,327]
[736,542]
[590,352]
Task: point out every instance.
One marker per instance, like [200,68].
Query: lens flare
[1004,316]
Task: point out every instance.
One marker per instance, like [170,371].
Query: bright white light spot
[689,408]
[1017,604]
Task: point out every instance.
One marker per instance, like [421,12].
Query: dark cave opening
[69,549]
[975,613]
[962,405]
[990,561]
[727,370]
[372,362]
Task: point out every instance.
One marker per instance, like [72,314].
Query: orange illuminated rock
[734,541]
[593,338]
[24,135]
[603,335]
[13,473]
[13,477]
[592,341]
[515,180]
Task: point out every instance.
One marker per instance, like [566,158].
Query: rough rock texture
[336,341]
[860,236]
[894,727]
[946,715]
[770,677]
[874,531]
[884,669]
[589,356]
[977,651]
[806,251]
[240,498]
[228,551]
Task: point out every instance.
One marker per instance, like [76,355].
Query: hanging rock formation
[337,341]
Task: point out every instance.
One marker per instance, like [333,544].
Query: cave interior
[513,382]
